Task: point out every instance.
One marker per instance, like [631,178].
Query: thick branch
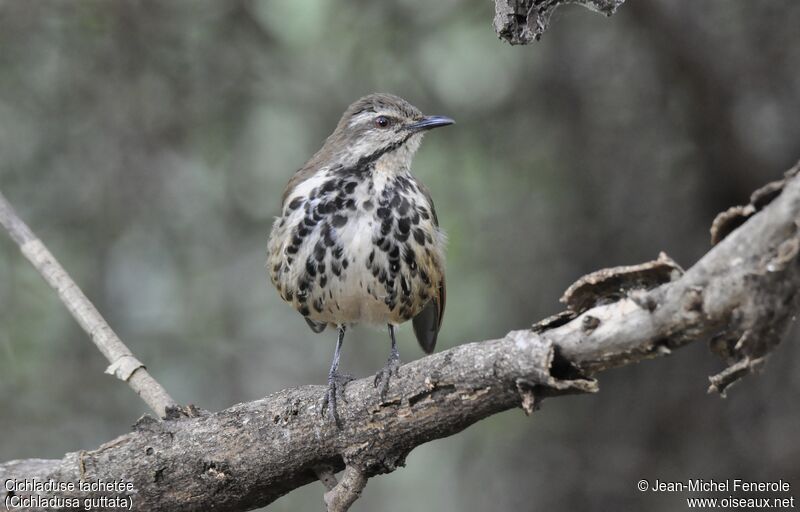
[523,21]
[123,364]
[740,295]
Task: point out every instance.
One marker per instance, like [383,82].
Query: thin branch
[740,295]
[347,491]
[123,364]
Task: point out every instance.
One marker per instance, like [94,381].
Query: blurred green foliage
[147,143]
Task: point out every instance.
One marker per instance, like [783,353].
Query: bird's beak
[428,122]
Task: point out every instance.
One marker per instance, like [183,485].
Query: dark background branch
[523,21]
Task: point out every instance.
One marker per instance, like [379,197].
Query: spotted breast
[357,247]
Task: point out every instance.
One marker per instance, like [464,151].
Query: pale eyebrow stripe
[369,114]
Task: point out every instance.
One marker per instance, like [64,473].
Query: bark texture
[523,21]
[740,296]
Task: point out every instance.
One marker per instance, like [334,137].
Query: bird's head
[381,126]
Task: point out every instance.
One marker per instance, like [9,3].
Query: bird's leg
[392,364]
[336,381]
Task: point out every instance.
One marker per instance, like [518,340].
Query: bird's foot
[335,392]
[386,373]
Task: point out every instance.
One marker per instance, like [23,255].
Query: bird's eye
[382,121]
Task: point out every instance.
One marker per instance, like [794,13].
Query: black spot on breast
[368,205]
[304,310]
[410,258]
[404,225]
[383,212]
[345,263]
[350,186]
[424,212]
[339,220]
[311,268]
[323,280]
[351,204]
[419,236]
[319,251]
[296,202]
[302,286]
[371,257]
[329,186]
[403,208]
[336,269]
[327,236]
[318,304]
[404,285]
[337,252]
[292,249]
[386,226]
[394,254]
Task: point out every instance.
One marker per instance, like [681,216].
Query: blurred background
[148,143]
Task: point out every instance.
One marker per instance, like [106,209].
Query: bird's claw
[335,392]
[385,374]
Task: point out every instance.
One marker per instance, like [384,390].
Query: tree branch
[346,492]
[523,21]
[740,295]
[123,364]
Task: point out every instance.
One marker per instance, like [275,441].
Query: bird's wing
[428,321]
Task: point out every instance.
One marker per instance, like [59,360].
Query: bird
[358,240]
